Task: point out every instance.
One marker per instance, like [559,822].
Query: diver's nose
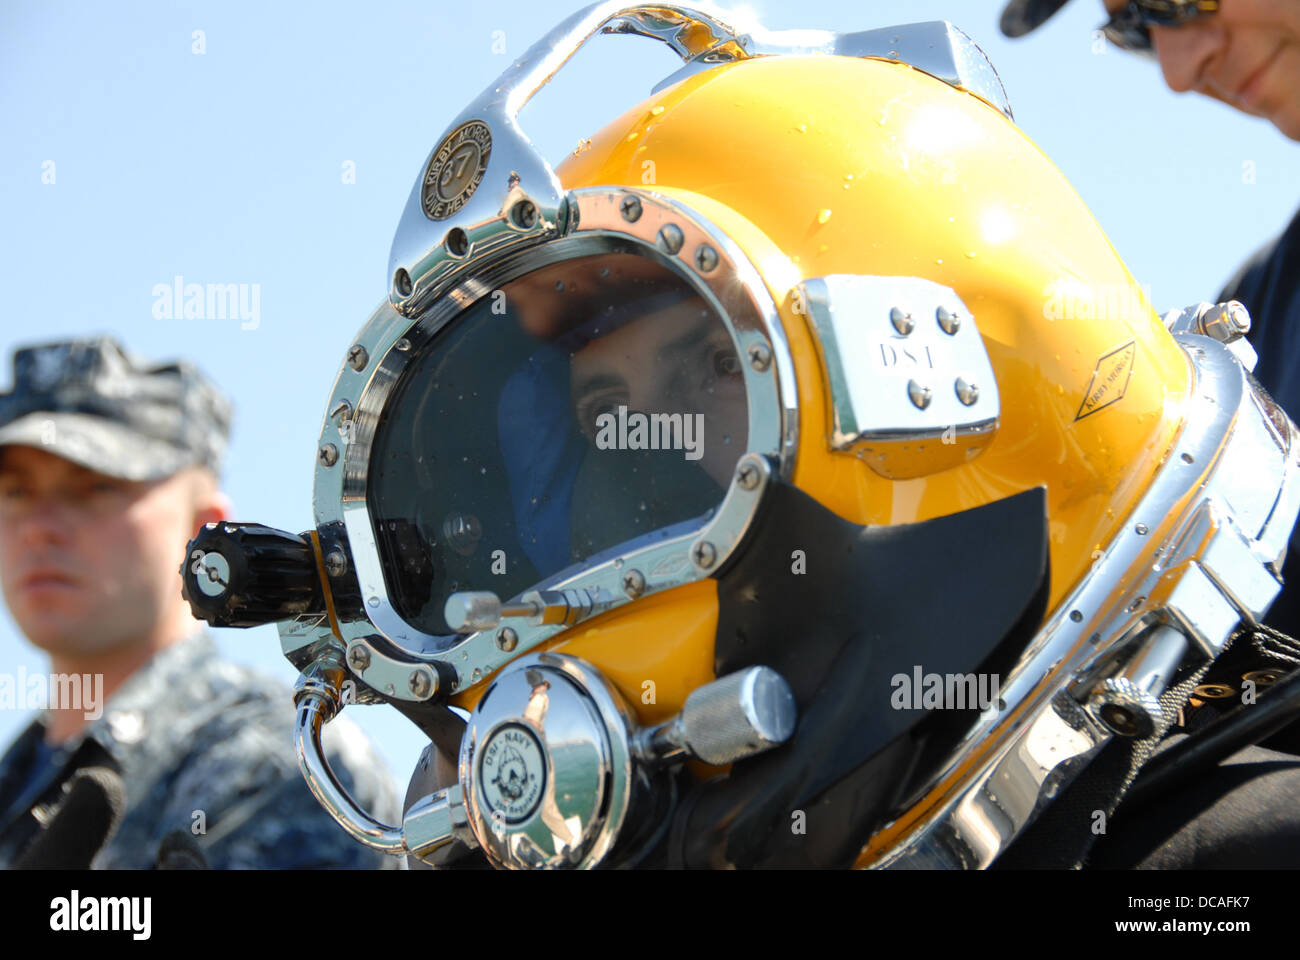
[1187,53]
[645,396]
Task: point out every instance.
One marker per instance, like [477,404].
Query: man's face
[1246,55]
[89,562]
[679,360]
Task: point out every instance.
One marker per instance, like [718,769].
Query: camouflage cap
[91,402]
[1021,16]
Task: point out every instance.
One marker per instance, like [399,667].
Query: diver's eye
[591,409]
[725,362]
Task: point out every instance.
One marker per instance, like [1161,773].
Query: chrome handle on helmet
[434,829]
[318,700]
[449,224]
[690,32]
[486,143]
[696,33]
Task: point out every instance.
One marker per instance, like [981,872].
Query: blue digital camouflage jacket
[205,746]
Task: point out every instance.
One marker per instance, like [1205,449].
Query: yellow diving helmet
[795,475]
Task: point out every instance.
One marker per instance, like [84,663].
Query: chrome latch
[1227,323]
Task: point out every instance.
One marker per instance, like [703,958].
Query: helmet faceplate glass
[584,405]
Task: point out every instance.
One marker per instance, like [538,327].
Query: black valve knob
[245,574]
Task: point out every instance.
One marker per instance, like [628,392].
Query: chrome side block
[1191,600]
[1240,574]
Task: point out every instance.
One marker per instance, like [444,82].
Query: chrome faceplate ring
[736,292]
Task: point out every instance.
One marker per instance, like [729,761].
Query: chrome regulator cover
[546,764]
[555,771]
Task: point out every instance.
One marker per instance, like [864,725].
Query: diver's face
[677,360]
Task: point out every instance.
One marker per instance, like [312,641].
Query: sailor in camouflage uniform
[94,446]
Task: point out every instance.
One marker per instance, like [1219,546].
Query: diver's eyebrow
[598,381]
[685,341]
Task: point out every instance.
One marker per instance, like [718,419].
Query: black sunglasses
[1130,28]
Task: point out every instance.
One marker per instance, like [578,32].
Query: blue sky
[227,166]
